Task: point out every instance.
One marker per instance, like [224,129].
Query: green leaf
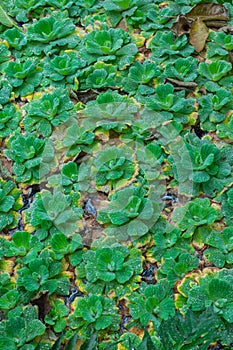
[137,228]
[71,345]
[118,218]
[103,322]
[200,176]
[7,344]
[9,299]
[34,329]
[146,343]
[5,19]
[219,289]
[227,312]
[91,343]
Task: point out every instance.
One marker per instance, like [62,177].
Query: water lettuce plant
[168,241]
[214,74]
[173,269]
[71,247]
[5,91]
[130,9]
[195,213]
[43,274]
[32,157]
[224,130]
[64,68]
[171,104]
[15,38]
[5,55]
[23,76]
[140,77]
[97,76]
[214,108]
[9,295]
[10,203]
[22,327]
[152,303]
[201,166]
[110,110]
[214,71]
[193,330]
[51,110]
[219,46]
[220,248]
[183,69]
[48,32]
[56,317]
[210,289]
[110,271]
[116,195]
[129,213]
[112,45]
[23,246]
[10,117]
[226,199]
[115,167]
[68,179]
[75,140]
[54,213]
[164,46]
[94,312]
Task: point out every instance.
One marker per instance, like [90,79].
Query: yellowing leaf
[198,35]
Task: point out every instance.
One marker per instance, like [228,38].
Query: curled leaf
[182,25]
[198,35]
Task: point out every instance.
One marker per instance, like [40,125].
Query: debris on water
[89,207]
[148,274]
[74,293]
[198,131]
[124,313]
[170,197]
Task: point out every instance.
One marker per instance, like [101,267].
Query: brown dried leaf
[180,85]
[215,24]
[181,26]
[198,35]
[208,11]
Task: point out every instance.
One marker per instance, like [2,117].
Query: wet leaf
[198,35]
[207,11]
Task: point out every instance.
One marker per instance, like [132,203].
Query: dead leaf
[208,11]
[215,24]
[182,25]
[180,85]
[198,35]
[227,29]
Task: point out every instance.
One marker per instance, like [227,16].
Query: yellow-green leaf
[198,35]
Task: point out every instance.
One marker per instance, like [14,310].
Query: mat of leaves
[116,197]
